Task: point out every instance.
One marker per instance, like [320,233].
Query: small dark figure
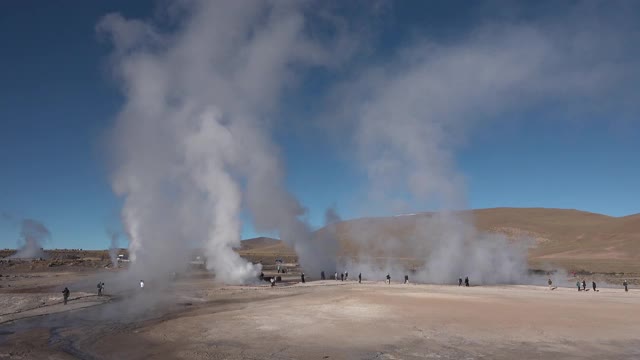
[584,285]
[322,275]
[359,278]
[273,282]
[549,282]
[593,283]
[100,288]
[578,285]
[466,281]
[341,276]
[388,279]
[261,276]
[346,275]
[459,281]
[65,295]
[302,277]
[625,284]
[406,279]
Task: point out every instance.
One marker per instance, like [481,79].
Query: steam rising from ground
[113,246]
[33,235]
[412,113]
[191,144]
[435,248]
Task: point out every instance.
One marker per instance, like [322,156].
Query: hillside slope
[572,239]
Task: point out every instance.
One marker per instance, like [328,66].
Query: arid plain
[190,317]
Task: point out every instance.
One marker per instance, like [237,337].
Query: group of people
[582,286]
[625,284]
[343,276]
[66,292]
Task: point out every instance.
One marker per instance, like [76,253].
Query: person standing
[584,285]
[341,276]
[360,278]
[459,281]
[550,283]
[322,275]
[388,279]
[578,285]
[346,276]
[65,295]
[626,286]
[302,277]
[593,284]
[466,281]
[406,279]
[335,276]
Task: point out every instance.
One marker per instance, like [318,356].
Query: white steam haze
[113,246]
[416,109]
[33,235]
[192,145]
[204,81]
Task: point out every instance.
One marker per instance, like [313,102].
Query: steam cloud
[441,247]
[33,234]
[191,144]
[415,111]
[113,246]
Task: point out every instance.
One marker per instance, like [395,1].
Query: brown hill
[259,243]
[264,246]
[573,239]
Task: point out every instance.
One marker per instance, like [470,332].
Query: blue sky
[57,100]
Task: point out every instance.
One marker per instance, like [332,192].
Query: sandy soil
[323,320]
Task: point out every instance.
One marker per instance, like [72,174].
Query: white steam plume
[191,144]
[113,246]
[414,112]
[33,234]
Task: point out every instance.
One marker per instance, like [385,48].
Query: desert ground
[192,316]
